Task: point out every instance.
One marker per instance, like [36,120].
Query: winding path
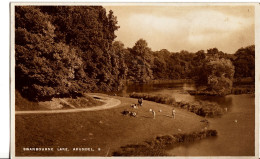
[109,103]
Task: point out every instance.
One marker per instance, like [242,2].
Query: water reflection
[185,148]
[177,90]
[222,101]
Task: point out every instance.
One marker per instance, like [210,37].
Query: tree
[219,75]
[141,48]
[120,52]
[244,62]
[139,62]
[197,72]
[159,68]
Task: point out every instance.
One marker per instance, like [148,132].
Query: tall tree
[245,62]
[140,62]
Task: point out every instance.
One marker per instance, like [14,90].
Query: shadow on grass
[169,116]
[143,116]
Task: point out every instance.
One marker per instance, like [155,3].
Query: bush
[158,98]
[205,109]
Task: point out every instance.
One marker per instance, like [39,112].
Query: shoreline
[159,145]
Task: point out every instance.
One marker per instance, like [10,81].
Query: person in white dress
[173,113]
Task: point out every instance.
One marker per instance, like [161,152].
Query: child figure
[173,113]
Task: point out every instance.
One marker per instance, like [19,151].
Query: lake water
[234,138]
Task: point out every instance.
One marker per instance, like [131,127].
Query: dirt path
[109,103]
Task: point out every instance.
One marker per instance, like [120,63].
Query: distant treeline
[64,51]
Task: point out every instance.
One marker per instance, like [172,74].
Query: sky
[190,28]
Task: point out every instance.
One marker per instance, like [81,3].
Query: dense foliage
[244,62]
[64,51]
[218,73]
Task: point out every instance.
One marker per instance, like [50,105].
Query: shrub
[158,98]
[205,109]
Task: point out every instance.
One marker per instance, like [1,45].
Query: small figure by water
[225,109]
[140,101]
[173,113]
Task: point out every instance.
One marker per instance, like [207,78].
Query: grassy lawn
[105,129]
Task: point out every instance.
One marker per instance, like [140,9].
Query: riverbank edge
[159,145]
[235,90]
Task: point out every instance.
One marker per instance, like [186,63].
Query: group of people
[173,113]
[140,103]
[135,106]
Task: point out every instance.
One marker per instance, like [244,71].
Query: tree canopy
[64,51]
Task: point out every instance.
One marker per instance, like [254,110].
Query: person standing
[225,109]
[173,113]
[153,114]
[140,101]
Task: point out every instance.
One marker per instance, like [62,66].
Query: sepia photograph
[133,79]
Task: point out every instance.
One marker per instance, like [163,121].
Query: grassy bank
[22,103]
[82,102]
[239,89]
[157,146]
[244,81]
[106,129]
[243,89]
[205,109]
